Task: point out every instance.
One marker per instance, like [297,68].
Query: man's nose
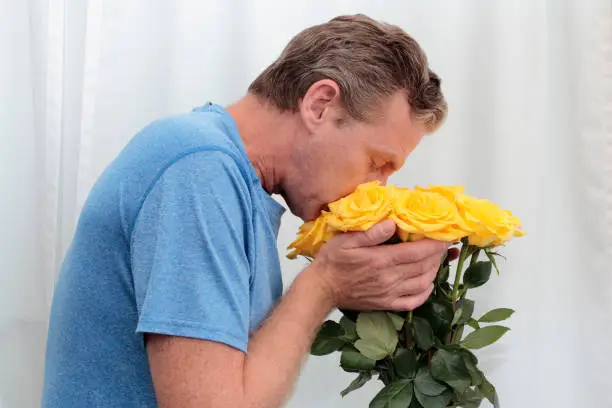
[382,178]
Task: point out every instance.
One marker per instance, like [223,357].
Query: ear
[322,103]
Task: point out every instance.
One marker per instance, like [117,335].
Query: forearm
[278,349]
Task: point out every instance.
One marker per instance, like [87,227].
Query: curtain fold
[529,84]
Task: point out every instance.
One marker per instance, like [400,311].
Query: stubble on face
[329,166]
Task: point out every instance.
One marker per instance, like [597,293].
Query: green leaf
[457,316]
[438,401]
[427,385]
[483,337]
[405,363]
[442,275]
[349,328]
[371,349]
[357,383]
[473,323]
[471,398]
[496,315]
[354,361]
[445,291]
[477,274]
[415,404]
[476,375]
[328,339]
[398,321]
[467,309]
[488,390]
[378,329]
[398,394]
[423,333]
[467,354]
[450,368]
[438,343]
[472,404]
[439,314]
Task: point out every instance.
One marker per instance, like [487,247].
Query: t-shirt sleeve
[189,258]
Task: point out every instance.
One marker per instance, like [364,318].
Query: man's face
[339,153]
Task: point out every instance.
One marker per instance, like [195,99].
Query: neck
[266,134]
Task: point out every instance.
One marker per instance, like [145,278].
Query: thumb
[377,234]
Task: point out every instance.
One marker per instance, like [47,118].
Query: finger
[400,274]
[418,284]
[411,302]
[411,252]
[376,235]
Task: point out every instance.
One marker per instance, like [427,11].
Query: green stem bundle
[421,357]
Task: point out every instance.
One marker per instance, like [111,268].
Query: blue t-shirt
[177,237]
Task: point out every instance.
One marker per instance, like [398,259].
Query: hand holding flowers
[421,356]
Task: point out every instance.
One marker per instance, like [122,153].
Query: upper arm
[190,372]
[192,277]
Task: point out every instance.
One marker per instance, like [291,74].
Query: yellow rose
[517,232]
[369,204]
[449,192]
[489,224]
[311,236]
[426,214]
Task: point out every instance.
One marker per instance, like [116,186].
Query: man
[170,294]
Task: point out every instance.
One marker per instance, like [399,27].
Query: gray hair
[366,58]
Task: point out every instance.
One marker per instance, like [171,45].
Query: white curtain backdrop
[529,84]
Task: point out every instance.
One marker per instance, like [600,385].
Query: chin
[305,214]
[314,213]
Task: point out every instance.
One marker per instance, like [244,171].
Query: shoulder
[184,161]
[200,149]
[185,133]
[206,169]
[203,191]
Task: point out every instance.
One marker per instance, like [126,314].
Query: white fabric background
[529,83]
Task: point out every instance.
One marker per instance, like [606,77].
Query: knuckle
[436,247]
[376,264]
[387,280]
[411,255]
[382,262]
[390,301]
[424,283]
[380,303]
[411,271]
[424,267]
[394,258]
[409,303]
[433,268]
[396,304]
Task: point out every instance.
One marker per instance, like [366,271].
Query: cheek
[343,177]
[332,170]
[334,162]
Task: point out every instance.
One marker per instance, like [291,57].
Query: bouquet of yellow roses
[422,357]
